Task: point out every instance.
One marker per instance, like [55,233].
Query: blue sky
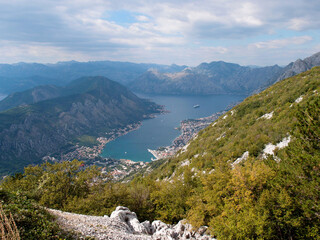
[181,32]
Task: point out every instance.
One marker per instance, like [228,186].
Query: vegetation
[8,227]
[86,140]
[261,197]
[23,218]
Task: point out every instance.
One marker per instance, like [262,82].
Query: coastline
[86,153]
[189,129]
[121,168]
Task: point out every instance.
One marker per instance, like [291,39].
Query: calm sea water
[161,131]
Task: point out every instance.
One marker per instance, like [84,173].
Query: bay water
[161,131]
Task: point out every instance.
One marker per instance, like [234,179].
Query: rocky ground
[124,225]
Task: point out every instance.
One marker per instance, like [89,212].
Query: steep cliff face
[94,105]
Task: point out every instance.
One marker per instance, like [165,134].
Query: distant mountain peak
[300,66]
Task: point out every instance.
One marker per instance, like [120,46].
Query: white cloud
[298,24]
[37,53]
[202,30]
[280,43]
[142,18]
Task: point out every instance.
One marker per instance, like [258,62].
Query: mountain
[261,119]
[254,172]
[34,95]
[300,66]
[87,106]
[22,76]
[219,78]
[9,84]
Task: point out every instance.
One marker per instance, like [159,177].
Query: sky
[165,32]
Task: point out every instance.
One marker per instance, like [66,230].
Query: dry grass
[8,228]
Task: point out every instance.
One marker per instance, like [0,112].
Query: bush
[32,221]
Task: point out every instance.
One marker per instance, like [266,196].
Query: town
[189,129]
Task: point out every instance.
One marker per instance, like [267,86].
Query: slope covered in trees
[241,189]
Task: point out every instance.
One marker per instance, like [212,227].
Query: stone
[124,224]
[123,214]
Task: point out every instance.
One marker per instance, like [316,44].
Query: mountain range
[207,78]
[51,118]
[219,78]
[22,76]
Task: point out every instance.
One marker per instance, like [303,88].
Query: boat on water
[196,106]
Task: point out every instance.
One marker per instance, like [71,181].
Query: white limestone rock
[267,115]
[123,225]
[244,157]
[270,148]
[162,230]
[123,214]
[299,99]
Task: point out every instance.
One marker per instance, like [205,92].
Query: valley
[245,149]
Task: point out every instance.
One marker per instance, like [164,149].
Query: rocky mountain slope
[219,77]
[254,172]
[300,66]
[92,106]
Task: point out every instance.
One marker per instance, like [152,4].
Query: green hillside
[246,127]
[226,179]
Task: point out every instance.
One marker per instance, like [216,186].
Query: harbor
[189,129]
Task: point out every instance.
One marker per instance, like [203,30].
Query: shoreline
[122,168]
[87,154]
[189,129]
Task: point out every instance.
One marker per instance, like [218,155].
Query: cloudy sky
[165,31]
